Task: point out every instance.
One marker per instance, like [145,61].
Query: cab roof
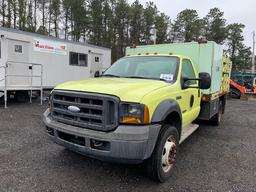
[157,55]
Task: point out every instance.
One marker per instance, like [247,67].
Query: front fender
[164,109]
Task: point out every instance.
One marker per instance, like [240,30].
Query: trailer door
[96,64]
[18,68]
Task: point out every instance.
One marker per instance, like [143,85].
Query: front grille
[97,111]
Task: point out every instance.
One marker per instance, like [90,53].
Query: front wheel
[164,155]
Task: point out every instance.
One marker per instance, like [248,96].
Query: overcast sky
[235,11]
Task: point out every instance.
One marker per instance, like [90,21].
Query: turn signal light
[146,115]
[131,120]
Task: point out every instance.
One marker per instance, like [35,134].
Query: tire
[216,119]
[168,138]
[235,93]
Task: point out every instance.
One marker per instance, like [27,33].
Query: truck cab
[139,110]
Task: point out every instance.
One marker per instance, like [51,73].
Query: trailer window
[78,59]
[82,60]
[18,48]
[97,59]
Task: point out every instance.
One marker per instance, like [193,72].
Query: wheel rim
[169,154]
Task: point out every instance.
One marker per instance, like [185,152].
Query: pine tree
[121,24]
[185,25]
[3,12]
[55,15]
[22,14]
[30,25]
[67,16]
[162,24]
[136,22]
[96,20]
[14,11]
[215,26]
[149,21]
[9,14]
[79,19]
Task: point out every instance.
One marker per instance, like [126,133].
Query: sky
[235,11]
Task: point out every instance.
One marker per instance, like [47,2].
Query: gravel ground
[212,159]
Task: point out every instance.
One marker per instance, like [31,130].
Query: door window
[188,71]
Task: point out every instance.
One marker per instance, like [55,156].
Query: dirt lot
[212,159]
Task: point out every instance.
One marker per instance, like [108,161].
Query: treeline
[117,24]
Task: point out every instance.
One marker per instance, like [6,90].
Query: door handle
[192,99]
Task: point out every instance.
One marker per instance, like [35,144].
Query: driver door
[191,96]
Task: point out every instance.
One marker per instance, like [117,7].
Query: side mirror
[185,83]
[205,80]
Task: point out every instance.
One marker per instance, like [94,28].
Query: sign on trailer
[46,46]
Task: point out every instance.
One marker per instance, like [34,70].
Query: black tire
[235,93]
[154,163]
[216,119]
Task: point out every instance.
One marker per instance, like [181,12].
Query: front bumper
[127,144]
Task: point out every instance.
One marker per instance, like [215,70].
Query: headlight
[133,113]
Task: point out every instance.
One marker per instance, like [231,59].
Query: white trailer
[30,61]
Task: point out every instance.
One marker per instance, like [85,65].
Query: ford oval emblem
[74,109]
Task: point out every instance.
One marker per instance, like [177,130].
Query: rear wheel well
[174,119]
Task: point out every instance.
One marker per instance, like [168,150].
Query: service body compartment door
[96,64]
[18,59]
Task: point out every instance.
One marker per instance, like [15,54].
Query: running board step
[187,131]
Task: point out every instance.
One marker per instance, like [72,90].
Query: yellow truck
[143,106]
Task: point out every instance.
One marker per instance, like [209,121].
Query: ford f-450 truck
[143,106]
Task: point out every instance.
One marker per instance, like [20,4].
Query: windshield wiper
[139,77]
[110,75]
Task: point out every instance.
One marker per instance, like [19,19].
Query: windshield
[156,67]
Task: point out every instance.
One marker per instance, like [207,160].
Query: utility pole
[253,52]
[155,36]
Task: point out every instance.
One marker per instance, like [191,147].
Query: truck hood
[126,89]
